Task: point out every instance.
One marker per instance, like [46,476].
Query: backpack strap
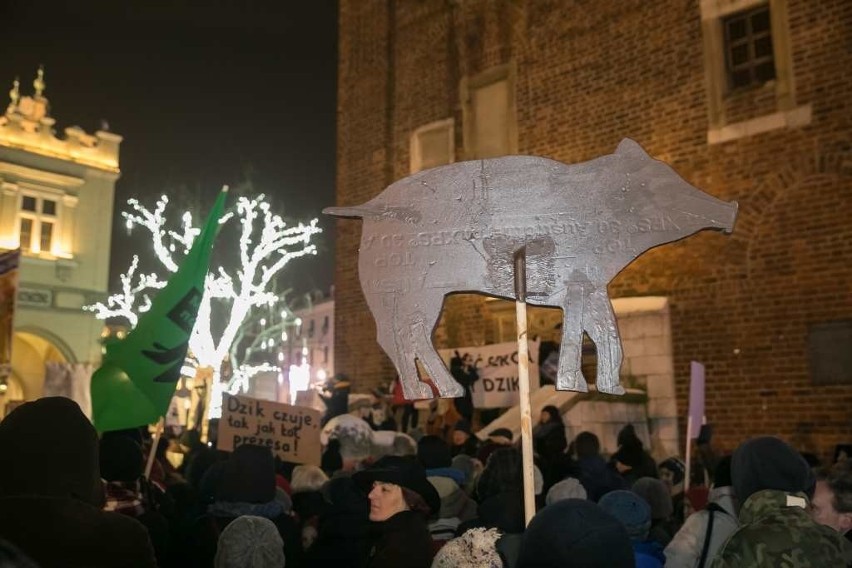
[707,535]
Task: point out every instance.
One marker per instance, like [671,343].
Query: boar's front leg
[599,322]
[570,377]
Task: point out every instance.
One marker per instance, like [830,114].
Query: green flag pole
[136,382]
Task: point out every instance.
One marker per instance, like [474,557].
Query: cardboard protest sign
[497,366]
[696,397]
[291,432]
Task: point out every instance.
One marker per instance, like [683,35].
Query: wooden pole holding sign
[524,384]
[154,440]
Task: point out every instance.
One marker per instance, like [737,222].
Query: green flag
[137,379]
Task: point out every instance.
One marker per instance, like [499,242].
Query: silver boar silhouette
[455,228]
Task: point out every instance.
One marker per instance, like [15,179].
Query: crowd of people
[71,498]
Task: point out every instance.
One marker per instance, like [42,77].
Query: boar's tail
[356,211]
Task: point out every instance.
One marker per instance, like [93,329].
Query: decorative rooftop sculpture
[455,228]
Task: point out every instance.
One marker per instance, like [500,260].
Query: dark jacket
[51,494]
[343,538]
[598,478]
[402,540]
[67,533]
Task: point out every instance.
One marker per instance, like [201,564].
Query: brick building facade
[746,99]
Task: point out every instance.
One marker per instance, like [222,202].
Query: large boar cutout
[455,228]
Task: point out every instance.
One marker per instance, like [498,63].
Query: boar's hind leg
[399,347]
[429,358]
[570,376]
[599,323]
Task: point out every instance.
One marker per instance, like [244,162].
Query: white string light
[267,244]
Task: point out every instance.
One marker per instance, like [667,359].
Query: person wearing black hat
[336,397]
[575,532]
[464,442]
[772,482]
[51,494]
[401,501]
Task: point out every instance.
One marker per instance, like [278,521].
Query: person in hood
[657,495]
[464,442]
[631,460]
[246,486]
[705,531]
[672,472]
[308,501]
[401,501]
[498,438]
[343,536]
[456,507]
[129,493]
[634,513]
[336,397]
[772,482]
[577,533]
[593,472]
[51,496]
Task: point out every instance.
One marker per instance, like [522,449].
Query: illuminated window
[37,220]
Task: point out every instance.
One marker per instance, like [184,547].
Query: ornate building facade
[56,204]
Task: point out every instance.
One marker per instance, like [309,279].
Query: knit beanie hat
[675,466]
[50,449]
[465,464]
[768,463]
[569,488]
[577,533]
[433,452]
[249,476]
[630,509]
[502,473]
[657,495]
[476,548]
[250,542]
[121,459]
[722,473]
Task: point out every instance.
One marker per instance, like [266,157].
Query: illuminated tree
[242,299]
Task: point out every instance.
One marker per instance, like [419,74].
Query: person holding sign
[401,501]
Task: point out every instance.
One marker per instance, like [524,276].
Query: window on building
[433,145]
[325,325]
[325,354]
[37,223]
[488,108]
[748,48]
[311,329]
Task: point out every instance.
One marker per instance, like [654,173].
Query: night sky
[204,94]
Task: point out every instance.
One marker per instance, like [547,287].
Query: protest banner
[291,432]
[497,365]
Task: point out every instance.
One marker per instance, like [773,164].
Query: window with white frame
[433,145]
[748,68]
[38,220]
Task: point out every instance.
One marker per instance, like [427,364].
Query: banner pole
[154,441]
[524,384]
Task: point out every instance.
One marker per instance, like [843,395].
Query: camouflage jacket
[776,531]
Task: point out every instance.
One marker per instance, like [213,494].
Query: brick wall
[589,74]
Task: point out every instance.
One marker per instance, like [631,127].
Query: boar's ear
[354,212]
[628,147]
